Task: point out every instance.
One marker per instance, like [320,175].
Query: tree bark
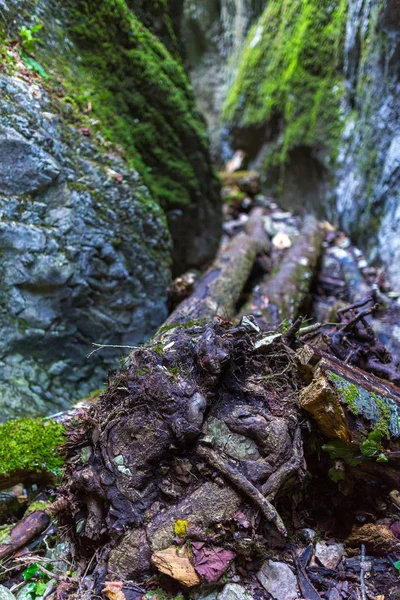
[219,289]
[280,297]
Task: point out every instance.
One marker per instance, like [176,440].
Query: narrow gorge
[200,300]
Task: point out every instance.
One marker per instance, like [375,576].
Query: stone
[5,593]
[207,505]
[279,580]
[329,555]
[307,535]
[24,167]
[176,563]
[86,249]
[234,591]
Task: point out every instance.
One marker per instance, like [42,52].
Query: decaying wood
[219,289]
[280,297]
[25,531]
[177,565]
[246,181]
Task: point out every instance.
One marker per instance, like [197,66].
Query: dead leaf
[175,563]
[212,561]
[113,590]
[328,226]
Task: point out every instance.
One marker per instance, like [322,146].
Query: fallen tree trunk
[219,289]
[280,297]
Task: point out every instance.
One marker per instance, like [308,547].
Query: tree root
[239,481]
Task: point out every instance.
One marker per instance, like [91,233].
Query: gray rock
[307,535]
[5,594]
[75,267]
[24,167]
[278,579]
[234,591]
[329,555]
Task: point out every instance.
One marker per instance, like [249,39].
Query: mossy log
[218,291]
[359,412]
[279,297]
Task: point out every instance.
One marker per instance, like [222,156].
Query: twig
[310,329]
[243,485]
[101,346]
[362,574]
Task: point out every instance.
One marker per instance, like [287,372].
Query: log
[280,297]
[219,289]
[247,181]
[25,531]
[356,410]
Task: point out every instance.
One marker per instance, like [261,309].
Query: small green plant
[397,567]
[372,446]
[27,37]
[38,587]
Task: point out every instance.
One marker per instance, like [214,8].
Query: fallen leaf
[113,590]
[212,561]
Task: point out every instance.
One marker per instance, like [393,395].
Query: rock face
[368,172]
[89,196]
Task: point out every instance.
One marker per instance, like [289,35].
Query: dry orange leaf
[113,590]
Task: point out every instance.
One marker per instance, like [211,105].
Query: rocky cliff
[105,184]
[313,102]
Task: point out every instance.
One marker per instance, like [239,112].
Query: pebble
[5,593]
[329,555]
[278,579]
[307,535]
[233,591]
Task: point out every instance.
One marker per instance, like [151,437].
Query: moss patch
[291,70]
[141,96]
[30,445]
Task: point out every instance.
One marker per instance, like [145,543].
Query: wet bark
[218,291]
[279,297]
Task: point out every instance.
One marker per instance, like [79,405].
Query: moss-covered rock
[29,446]
[140,95]
[291,70]
[285,100]
[103,158]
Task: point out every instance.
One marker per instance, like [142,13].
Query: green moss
[5,533]
[384,416]
[349,391]
[39,505]
[291,70]
[140,95]
[30,445]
